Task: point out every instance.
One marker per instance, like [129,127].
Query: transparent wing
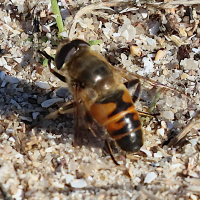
[158,97]
[87,131]
[176,109]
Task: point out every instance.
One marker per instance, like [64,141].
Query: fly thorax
[94,73]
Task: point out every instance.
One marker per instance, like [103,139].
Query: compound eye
[67,51]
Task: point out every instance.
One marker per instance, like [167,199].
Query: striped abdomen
[116,112]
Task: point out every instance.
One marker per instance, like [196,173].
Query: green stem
[56,11]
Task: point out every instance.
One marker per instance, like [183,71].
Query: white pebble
[193,174]
[64,34]
[125,34]
[56,198]
[3,61]
[196,50]
[7,19]
[116,34]
[158,155]
[193,197]
[7,67]
[90,178]
[46,29]
[18,195]
[50,149]
[148,65]
[50,102]
[149,153]
[161,131]
[164,124]
[68,178]
[192,113]
[189,64]
[9,130]
[150,177]
[18,60]
[43,85]
[168,115]
[148,128]
[193,142]
[78,183]
[144,13]
[150,41]
[11,139]
[175,166]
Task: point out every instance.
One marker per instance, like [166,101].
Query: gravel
[38,158]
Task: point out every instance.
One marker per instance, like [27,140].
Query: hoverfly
[98,87]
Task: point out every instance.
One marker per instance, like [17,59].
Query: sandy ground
[160,41]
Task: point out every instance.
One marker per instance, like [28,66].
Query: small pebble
[144,13]
[168,115]
[150,177]
[148,65]
[2,75]
[160,54]
[68,178]
[161,132]
[193,142]
[196,50]
[28,119]
[7,67]
[163,124]
[9,130]
[78,183]
[3,83]
[35,114]
[150,41]
[184,76]
[3,61]
[50,102]
[135,50]
[149,153]
[43,85]
[158,155]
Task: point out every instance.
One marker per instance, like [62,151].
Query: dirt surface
[150,40]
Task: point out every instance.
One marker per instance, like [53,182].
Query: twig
[194,121]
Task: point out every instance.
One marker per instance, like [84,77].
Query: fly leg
[50,58]
[66,108]
[100,132]
[148,114]
[193,122]
[109,149]
[136,95]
